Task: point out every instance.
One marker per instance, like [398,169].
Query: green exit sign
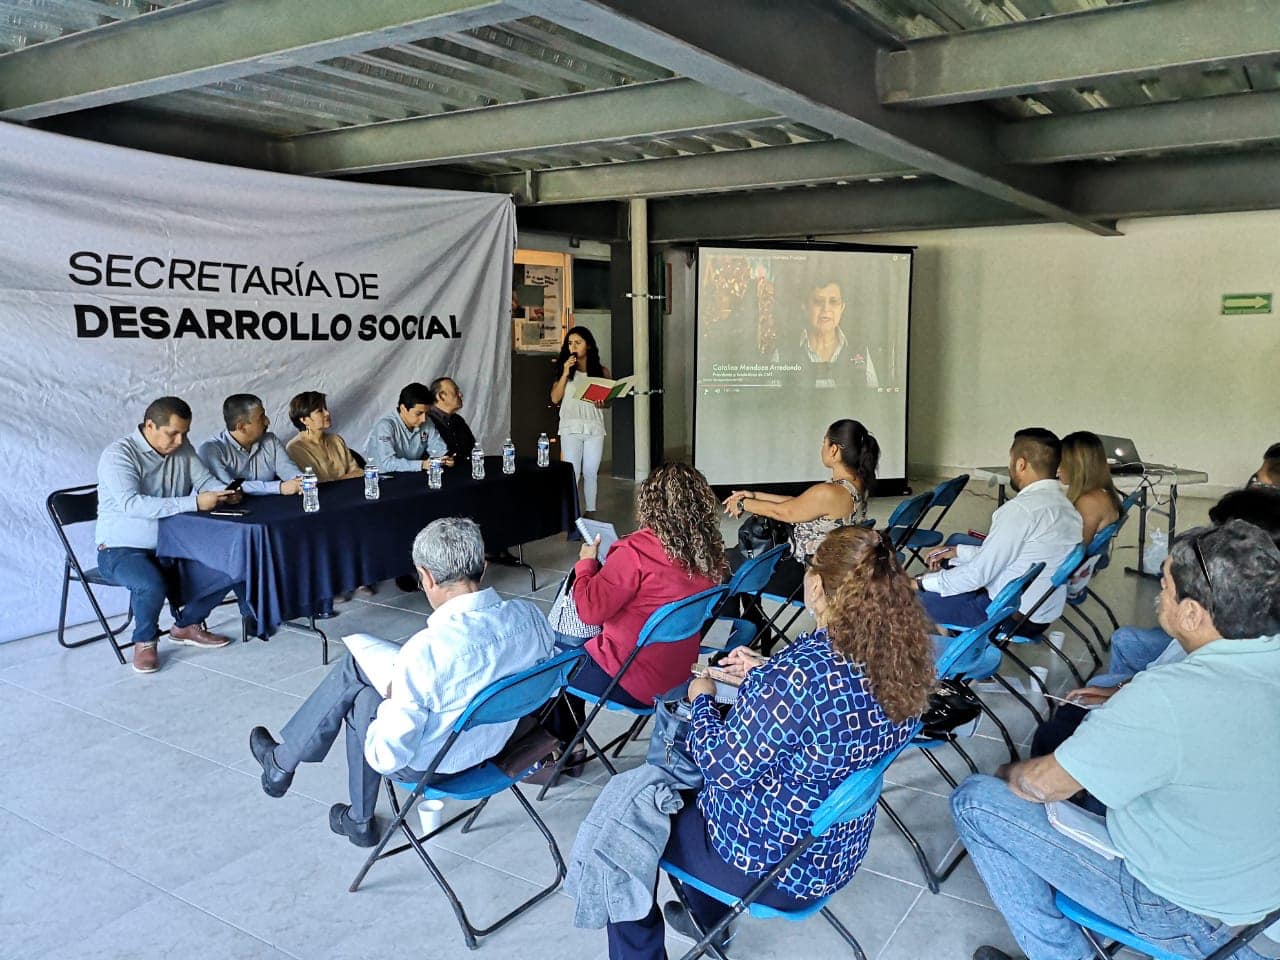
[1234,304]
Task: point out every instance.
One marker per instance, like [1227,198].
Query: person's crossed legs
[1023,860]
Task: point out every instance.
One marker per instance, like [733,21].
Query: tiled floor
[132,824]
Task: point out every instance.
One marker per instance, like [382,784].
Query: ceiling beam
[1183,185]
[638,111]
[829,211]
[1244,119]
[202,42]
[755,169]
[806,61]
[1053,53]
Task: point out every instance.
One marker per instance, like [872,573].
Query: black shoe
[991,953]
[361,834]
[407,582]
[681,924]
[275,782]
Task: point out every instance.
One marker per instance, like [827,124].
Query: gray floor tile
[196,730]
[165,928]
[944,928]
[285,654]
[140,701]
[47,877]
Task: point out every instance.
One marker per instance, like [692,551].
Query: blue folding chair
[670,623]
[503,700]
[1065,571]
[1098,930]
[906,518]
[1009,595]
[1099,553]
[967,656]
[748,580]
[944,495]
[853,798]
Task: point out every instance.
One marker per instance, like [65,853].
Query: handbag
[563,616]
[667,749]
[951,706]
[760,534]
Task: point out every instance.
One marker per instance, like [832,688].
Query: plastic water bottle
[508,457]
[371,490]
[544,450]
[477,463]
[310,492]
[435,473]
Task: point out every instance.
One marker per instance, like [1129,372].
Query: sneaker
[368,590]
[681,925]
[407,583]
[145,658]
[197,636]
[361,834]
[275,782]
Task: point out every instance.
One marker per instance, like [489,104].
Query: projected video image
[793,339]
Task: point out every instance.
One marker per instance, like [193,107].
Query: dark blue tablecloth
[290,560]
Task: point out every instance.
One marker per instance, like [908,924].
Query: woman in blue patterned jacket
[827,706]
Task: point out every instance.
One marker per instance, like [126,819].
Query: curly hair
[875,620]
[678,505]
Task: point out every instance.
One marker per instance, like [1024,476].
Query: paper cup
[430,815]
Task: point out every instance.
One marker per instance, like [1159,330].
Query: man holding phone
[143,477]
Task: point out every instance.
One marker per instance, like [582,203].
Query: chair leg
[579,736]
[845,935]
[470,821]
[1097,658]
[933,877]
[107,633]
[1097,634]
[941,768]
[1017,695]
[1115,624]
[968,760]
[704,944]
[1004,731]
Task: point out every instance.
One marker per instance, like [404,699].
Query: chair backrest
[521,693]
[858,793]
[73,505]
[944,495]
[907,516]
[755,573]
[964,648]
[1128,502]
[1011,593]
[1069,565]
[1101,541]
[680,619]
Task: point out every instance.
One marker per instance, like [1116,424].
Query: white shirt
[579,416]
[1038,525]
[468,643]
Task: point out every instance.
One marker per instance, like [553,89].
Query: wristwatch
[920,582]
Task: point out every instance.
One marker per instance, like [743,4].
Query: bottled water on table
[310,492]
[544,450]
[371,489]
[508,457]
[435,474]
[477,463]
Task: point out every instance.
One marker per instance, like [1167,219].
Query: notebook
[588,529]
[1084,827]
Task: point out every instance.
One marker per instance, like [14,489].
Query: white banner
[126,276]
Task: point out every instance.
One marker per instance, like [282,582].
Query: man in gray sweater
[143,477]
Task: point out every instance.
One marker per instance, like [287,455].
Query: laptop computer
[1122,454]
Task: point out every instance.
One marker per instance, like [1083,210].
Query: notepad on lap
[375,657]
[1083,827]
[589,529]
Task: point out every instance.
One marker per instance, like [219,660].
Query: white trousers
[584,452]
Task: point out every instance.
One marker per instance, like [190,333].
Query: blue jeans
[1132,650]
[151,580]
[962,609]
[1023,860]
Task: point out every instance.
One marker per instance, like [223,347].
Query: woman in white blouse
[582,430]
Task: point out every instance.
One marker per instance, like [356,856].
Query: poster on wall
[127,276]
[541,295]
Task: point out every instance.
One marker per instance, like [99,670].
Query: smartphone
[235,484]
[228,513]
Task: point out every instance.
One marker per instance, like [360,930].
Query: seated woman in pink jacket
[677,552]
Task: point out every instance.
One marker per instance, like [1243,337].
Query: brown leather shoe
[145,659]
[197,636]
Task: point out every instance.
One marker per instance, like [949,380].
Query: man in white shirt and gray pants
[1038,525]
[472,638]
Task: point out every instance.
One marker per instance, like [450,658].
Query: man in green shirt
[1186,759]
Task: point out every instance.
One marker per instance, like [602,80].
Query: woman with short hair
[325,453]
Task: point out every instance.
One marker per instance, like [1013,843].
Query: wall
[1051,326]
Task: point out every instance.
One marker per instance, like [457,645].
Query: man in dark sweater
[448,422]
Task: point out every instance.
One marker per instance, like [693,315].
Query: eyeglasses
[1204,567]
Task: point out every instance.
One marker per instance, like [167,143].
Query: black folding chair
[68,507]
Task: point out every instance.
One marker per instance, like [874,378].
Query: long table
[1157,475]
[290,561]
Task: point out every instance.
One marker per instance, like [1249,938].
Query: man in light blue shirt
[150,474]
[1187,762]
[406,441]
[246,451]
[472,638]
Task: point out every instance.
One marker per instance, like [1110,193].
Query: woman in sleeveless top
[1084,470]
[582,430]
[851,453]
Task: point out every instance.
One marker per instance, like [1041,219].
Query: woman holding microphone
[582,430]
